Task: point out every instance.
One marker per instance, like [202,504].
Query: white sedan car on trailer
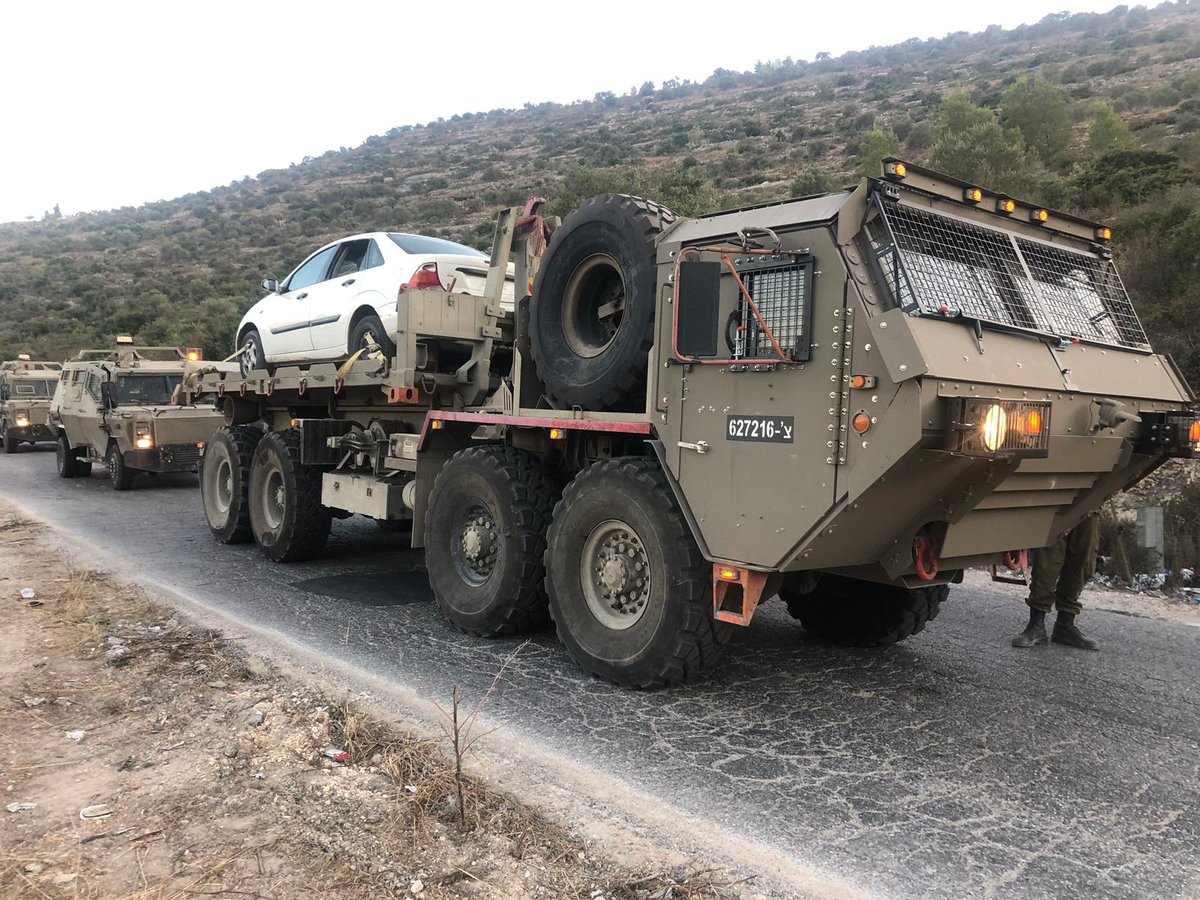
[343,297]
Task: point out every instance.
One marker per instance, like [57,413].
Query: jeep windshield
[146,390]
[940,264]
[31,388]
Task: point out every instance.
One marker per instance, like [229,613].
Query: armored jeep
[114,407]
[25,390]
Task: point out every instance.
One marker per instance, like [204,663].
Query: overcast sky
[109,104]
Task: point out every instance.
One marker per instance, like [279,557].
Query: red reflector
[199,445]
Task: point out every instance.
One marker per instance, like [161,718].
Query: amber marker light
[972,195]
[727,573]
[862,382]
[1194,432]
[1006,206]
[557,434]
[895,170]
[194,355]
[1103,233]
[861,422]
[1030,424]
[1039,216]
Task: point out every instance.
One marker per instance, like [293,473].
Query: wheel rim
[475,544]
[593,305]
[615,573]
[223,495]
[250,354]
[274,498]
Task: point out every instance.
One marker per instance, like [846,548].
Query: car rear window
[419,244]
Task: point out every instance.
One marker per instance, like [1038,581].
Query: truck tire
[11,443]
[287,520]
[630,593]
[225,482]
[371,328]
[592,320]
[485,540]
[69,463]
[120,476]
[864,613]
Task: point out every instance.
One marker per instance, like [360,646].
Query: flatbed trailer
[843,400]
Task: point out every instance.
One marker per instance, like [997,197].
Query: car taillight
[426,278]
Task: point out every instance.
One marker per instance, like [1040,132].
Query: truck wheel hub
[477,545]
[615,574]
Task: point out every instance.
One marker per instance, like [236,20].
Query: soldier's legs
[1079,564]
[1047,564]
[1047,569]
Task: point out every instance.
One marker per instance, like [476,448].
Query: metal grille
[936,264]
[781,294]
[183,455]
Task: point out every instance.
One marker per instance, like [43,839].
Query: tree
[814,180]
[646,89]
[875,145]
[1040,111]
[972,145]
[1107,131]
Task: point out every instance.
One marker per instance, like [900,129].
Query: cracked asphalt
[948,766]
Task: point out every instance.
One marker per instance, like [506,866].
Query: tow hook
[925,554]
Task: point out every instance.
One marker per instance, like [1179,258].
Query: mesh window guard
[932,262]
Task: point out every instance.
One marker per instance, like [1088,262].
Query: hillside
[1125,146]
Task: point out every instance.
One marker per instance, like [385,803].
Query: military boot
[1068,633]
[1034,633]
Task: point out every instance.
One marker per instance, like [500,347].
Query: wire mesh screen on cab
[935,264]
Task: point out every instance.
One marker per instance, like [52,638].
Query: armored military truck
[843,401]
[26,386]
[114,408]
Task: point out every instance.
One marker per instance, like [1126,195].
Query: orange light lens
[1040,216]
[861,422]
[1030,424]
[896,169]
[1006,205]
[725,573]
[1194,432]
[193,354]
[972,195]
[1104,233]
[435,425]
[858,382]
[557,434]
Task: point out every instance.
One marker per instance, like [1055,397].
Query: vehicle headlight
[22,421]
[986,427]
[142,438]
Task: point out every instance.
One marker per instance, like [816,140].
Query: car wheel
[252,356]
[369,330]
[68,459]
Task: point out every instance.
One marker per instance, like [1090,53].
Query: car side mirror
[108,394]
[270,285]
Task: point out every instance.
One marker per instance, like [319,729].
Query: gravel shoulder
[143,755]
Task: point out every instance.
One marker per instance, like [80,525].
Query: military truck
[26,386]
[842,400]
[114,408]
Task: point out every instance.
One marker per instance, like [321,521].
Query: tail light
[425,278]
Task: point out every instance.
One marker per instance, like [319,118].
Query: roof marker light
[1039,216]
[1006,206]
[972,195]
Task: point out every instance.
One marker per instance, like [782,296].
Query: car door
[289,314]
[356,278]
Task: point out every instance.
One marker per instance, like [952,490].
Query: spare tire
[592,318]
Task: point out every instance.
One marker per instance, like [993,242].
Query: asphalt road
[948,766]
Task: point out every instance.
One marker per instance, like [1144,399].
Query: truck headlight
[142,438]
[987,427]
[22,421]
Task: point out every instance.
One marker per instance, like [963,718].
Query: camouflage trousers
[1061,570]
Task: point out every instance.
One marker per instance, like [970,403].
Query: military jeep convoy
[843,401]
[25,390]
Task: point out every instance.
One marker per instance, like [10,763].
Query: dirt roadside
[143,756]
